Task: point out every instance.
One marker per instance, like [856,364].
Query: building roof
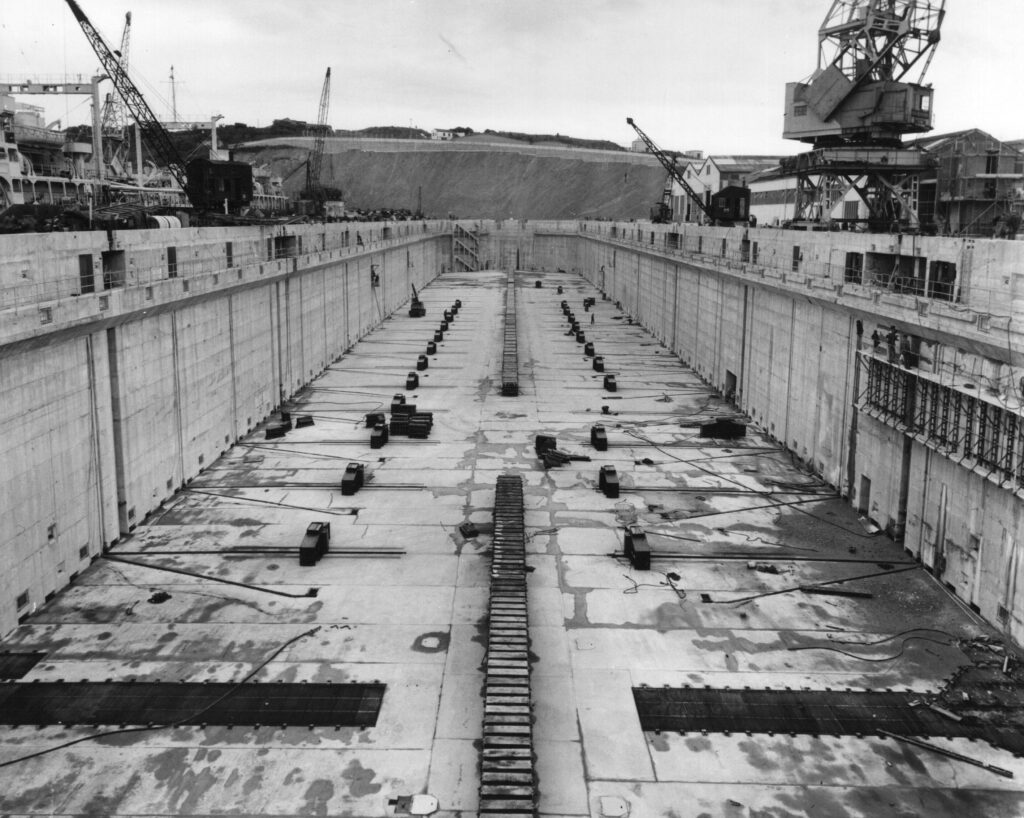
[743,164]
[934,142]
[766,174]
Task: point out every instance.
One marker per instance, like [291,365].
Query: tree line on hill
[237,133]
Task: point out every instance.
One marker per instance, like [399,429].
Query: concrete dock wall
[118,393]
[130,361]
[781,322]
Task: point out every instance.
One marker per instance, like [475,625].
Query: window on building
[942,280]
[113,269]
[800,110]
[86,278]
[172,262]
[992,162]
[796,258]
[853,273]
[229,253]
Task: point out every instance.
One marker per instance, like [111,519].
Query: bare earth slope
[475,180]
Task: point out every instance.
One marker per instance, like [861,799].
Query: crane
[152,130]
[115,117]
[862,91]
[215,183]
[314,163]
[866,92]
[721,209]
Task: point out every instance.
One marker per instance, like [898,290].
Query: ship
[51,181]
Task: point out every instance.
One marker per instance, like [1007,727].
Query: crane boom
[669,164]
[316,156]
[114,117]
[152,130]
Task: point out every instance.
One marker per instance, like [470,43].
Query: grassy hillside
[480,183]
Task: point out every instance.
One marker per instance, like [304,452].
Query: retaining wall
[119,392]
[773,319]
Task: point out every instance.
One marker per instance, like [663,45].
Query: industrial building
[712,175]
[975,187]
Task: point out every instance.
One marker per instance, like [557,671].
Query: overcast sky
[694,74]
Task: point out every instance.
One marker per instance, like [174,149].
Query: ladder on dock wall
[507,776]
[465,250]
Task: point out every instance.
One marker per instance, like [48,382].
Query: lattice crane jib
[879,39]
[316,156]
[869,82]
[674,173]
[115,114]
[153,132]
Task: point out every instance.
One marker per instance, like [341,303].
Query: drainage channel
[507,782]
[510,349]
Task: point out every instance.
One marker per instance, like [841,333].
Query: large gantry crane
[214,184]
[865,94]
[723,208]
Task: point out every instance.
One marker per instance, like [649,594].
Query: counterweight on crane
[856,106]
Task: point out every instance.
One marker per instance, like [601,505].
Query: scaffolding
[964,426]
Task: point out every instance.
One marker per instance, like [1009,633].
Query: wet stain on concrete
[898,760]
[669,616]
[658,742]
[728,643]
[109,802]
[186,784]
[360,779]
[757,755]
[698,745]
[317,796]
[46,799]
[807,804]
[254,782]
[431,642]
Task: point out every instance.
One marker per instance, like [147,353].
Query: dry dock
[747,671]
